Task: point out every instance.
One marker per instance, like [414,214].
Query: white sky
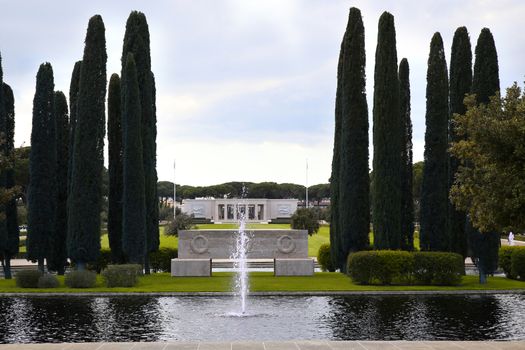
[246,88]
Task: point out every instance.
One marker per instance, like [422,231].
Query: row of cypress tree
[443,228]
[66,161]
[9,232]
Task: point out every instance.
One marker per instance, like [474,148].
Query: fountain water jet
[239,262]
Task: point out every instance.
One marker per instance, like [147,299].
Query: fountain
[240,262]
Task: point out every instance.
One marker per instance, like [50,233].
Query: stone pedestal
[191,267]
[293,267]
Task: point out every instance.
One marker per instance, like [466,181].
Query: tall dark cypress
[134,208]
[388,138]
[42,169]
[434,190]
[115,169]
[460,84]
[407,202]
[73,97]
[335,239]
[3,153]
[10,248]
[137,41]
[85,200]
[354,208]
[485,84]
[58,253]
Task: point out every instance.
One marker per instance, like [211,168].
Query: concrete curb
[270,294]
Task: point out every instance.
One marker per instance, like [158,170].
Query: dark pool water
[418,317]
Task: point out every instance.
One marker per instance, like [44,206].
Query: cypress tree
[354,209]
[3,153]
[134,209]
[85,200]
[115,170]
[42,192]
[407,202]
[57,258]
[10,248]
[460,84]
[434,190]
[137,42]
[73,97]
[388,137]
[335,241]
[485,84]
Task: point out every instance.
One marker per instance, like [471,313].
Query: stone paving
[281,345]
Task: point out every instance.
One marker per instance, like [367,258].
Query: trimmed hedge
[125,275]
[517,264]
[401,267]
[505,260]
[27,278]
[48,281]
[81,279]
[324,258]
[160,261]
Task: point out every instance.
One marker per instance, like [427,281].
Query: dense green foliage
[57,258]
[400,267]
[353,214]
[161,259]
[517,264]
[125,275]
[115,152]
[27,278]
[484,162]
[133,197]
[137,42]
[81,279]
[485,82]
[505,260]
[48,280]
[9,240]
[407,201]
[460,84]
[182,221]
[324,259]
[85,199]
[434,192]
[388,138]
[42,192]
[305,219]
[73,101]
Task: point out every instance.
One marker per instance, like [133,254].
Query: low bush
[401,267]
[27,278]
[81,279]
[160,261]
[438,268]
[125,275]
[324,258]
[505,259]
[518,264]
[103,260]
[48,281]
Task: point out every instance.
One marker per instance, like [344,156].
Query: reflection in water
[143,318]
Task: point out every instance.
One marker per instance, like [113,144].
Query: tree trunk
[41,265]
[7,268]
[146,265]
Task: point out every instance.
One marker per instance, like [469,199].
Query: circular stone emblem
[199,244]
[285,244]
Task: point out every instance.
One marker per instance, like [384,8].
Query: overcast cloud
[246,88]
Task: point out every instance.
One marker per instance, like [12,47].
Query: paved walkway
[274,345]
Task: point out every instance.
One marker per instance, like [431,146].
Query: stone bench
[288,249]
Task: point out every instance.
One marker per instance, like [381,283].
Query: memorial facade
[230,209]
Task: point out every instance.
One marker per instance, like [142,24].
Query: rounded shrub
[438,268]
[48,281]
[324,258]
[518,264]
[505,259]
[81,279]
[160,261]
[27,278]
[125,275]
[305,219]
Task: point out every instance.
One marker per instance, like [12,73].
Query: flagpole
[174,192]
[306,203]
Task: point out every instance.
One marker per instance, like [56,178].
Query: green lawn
[261,282]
